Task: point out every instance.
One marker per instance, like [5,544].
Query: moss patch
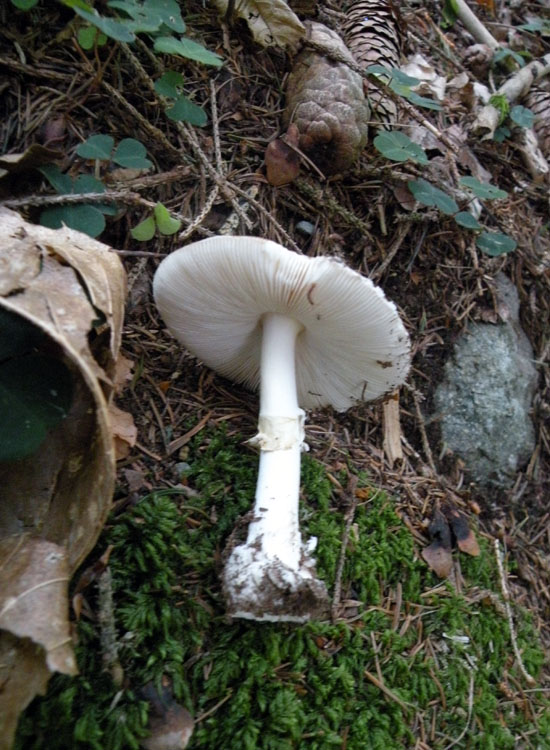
[412,660]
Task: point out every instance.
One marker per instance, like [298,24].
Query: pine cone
[374,37]
[325,100]
[538,101]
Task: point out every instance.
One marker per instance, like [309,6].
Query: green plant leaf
[541,25]
[82,217]
[465,219]
[429,195]
[423,101]
[60,182]
[96,147]
[403,79]
[168,83]
[501,133]
[483,190]
[145,230]
[85,183]
[522,116]
[184,109]
[184,47]
[505,53]
[113,29]
[495,243]
[24,4]
[379,70]
[87,36]
[397,146]
[131,154]
[165,222]
[35,395]
[144,19]
[169,12]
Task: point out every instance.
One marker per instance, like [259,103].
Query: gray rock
[484,401]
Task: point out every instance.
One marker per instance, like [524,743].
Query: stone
[483,404]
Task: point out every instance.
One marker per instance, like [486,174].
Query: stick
[515,87]
[506,596]
[350,513]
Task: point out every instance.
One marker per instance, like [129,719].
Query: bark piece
[325,100]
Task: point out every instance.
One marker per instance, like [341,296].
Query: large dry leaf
[271,22]
[66,293]
[23,674]
[34,578]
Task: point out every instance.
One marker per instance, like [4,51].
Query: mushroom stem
[280,438]
[272,576]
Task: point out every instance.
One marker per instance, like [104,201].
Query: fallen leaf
[123,373]
[282,163]
[438,554]
[124,431]
[61,485]
[439,559]
[464,536]
[170,724]
[271,22]
[34,579]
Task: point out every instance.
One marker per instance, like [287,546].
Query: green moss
[280,686]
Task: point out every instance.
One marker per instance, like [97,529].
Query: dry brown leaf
[34,578]
[281,160]
[271,22]
[439,559]
[123,373]
[23,674]
[170,724]
[64,489]
[464,536]
[124,431]
[438,555]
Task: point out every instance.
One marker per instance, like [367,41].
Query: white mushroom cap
[212,295]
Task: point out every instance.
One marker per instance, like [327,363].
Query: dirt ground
[56,94]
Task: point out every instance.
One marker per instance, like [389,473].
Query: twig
[215,127]
[108,634]
[197,221]
[472,24]
[402,232]
[515,87]
[506,596]
[324,199]
[119,196]
[469,717]
[153,131]
[422,428]
[381,686]
[350,513]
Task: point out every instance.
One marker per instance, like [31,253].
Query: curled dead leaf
[460,527]
[281,159]
[61,304]
[439,559]
[438,555]
[124,431]
[271,22]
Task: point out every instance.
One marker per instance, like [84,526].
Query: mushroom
[307,331]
